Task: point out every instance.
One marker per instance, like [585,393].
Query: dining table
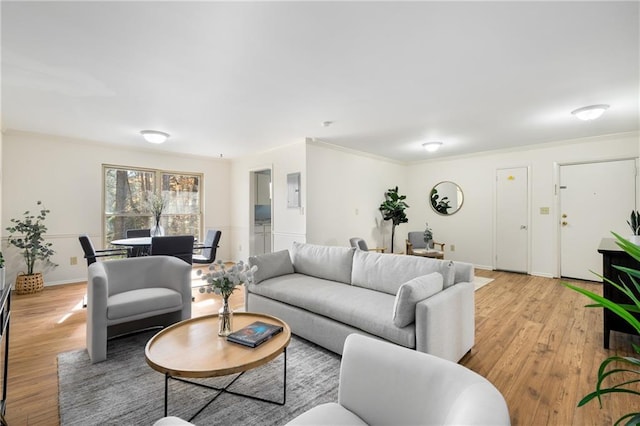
[133,242]
[145,243]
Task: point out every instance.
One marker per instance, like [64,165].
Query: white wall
[287,224]
[471,230]
[66,175]
[341,192]
[345,190]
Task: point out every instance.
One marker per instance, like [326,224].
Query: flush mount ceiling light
[154,136]
[432,146]
[590,112]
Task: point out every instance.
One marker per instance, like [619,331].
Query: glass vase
[225,319]
[157,230]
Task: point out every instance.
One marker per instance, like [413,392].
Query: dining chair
[211,241]
[138,233]
[180,246]
[91,254]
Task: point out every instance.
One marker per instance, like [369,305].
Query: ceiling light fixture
[590,112]
[154,136]
[432,146]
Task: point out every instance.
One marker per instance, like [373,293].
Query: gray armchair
[416,246]
[132,294]
[360,244]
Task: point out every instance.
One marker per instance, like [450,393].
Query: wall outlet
[73,260]
[453,247]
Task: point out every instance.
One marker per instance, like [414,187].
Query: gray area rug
[124,390]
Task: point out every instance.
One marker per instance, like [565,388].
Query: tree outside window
[126,199]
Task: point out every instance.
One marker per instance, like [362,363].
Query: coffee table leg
[166,392]
[284,391]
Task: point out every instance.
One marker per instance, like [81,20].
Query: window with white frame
[127,192]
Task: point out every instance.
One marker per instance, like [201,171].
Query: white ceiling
[239,77]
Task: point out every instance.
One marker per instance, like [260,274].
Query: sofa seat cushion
[367,310]
[142,301]
[387,272]
[328,414]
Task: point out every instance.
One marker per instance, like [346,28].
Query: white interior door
[595,199]
[512,219]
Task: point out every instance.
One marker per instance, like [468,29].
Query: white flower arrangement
[223,281]
[157,204]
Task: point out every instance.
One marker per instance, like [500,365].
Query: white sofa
[385,384]
[326,293]
[131,294]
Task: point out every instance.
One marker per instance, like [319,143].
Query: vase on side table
[225,319]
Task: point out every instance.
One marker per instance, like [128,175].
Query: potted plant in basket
[625,369]
[224,281]
[27,234]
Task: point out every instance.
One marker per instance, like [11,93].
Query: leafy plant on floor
[615,368]
[27,234]
[393,209]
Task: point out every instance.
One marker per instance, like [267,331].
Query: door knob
[564,223]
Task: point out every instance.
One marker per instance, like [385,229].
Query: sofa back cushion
[387,272]
[329,263]
[271,265]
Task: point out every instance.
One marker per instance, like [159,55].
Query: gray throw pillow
[271,265]
[412,292]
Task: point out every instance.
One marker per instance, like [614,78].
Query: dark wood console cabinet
[613,255]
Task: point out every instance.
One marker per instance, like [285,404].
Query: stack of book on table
[254,334]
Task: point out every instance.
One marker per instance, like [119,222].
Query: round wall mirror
[446,198]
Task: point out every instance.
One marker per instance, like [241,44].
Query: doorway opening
[261,217]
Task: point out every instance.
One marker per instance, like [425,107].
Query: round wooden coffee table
[193,349]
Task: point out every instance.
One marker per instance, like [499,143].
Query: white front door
[512,219]
[595,199]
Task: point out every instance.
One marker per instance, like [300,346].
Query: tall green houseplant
[614,367]
[27,234]
[393,209]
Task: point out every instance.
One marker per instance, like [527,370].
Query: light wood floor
[534,340]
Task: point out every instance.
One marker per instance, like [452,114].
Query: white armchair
[385,384]
[131,294]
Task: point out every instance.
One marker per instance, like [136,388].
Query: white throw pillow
[412,292]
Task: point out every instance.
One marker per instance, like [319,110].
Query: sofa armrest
[97,291]
[445,322]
